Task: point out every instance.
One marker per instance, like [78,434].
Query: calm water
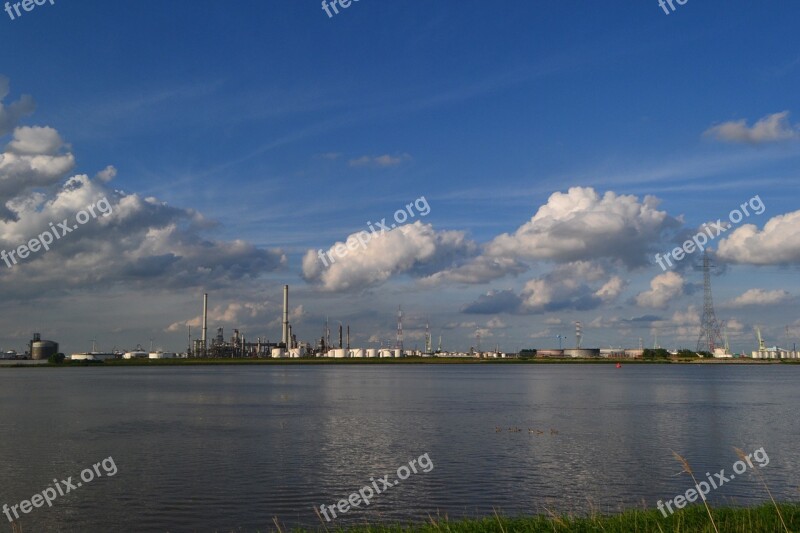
[229,448]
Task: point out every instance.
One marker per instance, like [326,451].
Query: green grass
[690,520]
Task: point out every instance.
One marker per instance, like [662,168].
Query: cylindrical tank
[372,352]
[582,352]
[549,353]
[398,352]
[43,349]
[277,353]
[340,353]
[387,353]
[357,352]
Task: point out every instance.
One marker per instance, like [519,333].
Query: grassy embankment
[690,520]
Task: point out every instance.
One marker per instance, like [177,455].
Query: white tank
[372,352]
[398,352]
[357,352]
[162,355]
[277,353]
[135,355]
[340,353]
[296,353]
[387,353]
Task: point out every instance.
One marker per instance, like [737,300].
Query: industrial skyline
[544,206]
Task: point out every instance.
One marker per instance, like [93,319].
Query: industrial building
[42,349]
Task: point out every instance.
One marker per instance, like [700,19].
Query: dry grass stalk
[746,459]
[688,470]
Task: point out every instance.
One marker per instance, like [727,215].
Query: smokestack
[340,335]
[205,320]
[285,334]
[348,336]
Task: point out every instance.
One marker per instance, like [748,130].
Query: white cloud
[107,174]
[32,160]
[35,140]
[777,244]
[611,290]
[414,249]
[759,297]
[771,128]
[582,225]
[663,288]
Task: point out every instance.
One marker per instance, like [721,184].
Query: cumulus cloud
[382,161]
[777,244]
[107,174]
[663,288]
[582,225]
[771,128]
[611,290]
[579,285]
[35,140]
[142,242]
[34,158]
[759,297]
[414,249]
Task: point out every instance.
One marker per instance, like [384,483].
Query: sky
[540,154]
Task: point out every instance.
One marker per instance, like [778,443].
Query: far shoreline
[388,361]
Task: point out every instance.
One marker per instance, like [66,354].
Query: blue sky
[272,124]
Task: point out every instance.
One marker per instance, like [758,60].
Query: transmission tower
[399,343]
[710,336]
[428,340]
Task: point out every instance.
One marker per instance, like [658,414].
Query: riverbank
[690,520]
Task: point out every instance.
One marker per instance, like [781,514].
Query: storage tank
[357,352]
[372,352]
[387,353]
[162,355]
[398,352]
[583,353]
[634,353]
[43,349]
[340,353]
[549,353]
[277,353]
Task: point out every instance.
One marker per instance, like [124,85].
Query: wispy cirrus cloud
[380,161]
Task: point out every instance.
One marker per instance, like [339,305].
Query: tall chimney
[285,333]
[348,336]
[340,335]
[205,321]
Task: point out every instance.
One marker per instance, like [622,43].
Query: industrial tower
[710,336]
[399,343]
